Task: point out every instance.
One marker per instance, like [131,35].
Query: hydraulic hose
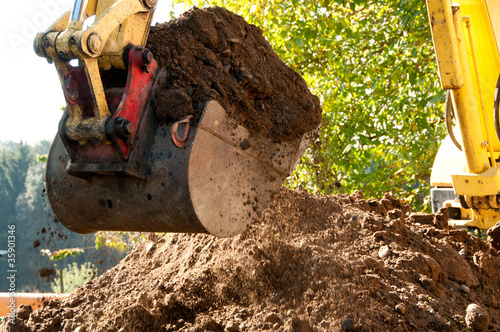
[495,108]
[448,117]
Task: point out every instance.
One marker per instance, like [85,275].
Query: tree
[73,276]
[372,65]
[38,229]
[40,232]
[15,160]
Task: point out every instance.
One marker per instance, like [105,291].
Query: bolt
[46,42]
[123,127]
[147,57]
[128,128]
[94,44]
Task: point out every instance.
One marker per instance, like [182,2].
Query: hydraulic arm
[465,36]
[103,46]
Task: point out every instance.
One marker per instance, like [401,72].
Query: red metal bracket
[127,106]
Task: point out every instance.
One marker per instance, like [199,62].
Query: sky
[29,90]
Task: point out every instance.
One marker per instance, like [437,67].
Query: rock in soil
[400,308]
[464,288]
[477,318]
[347,325]
[494,236]
[299,325]
[232,327]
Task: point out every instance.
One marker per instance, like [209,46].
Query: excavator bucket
[213,177]
[116,166]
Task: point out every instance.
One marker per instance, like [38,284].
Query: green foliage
[73,276]
[15,160]
[118,240]
[42,158]
[36,220]
[23,203]
[31,202]
[61,253]
[372,65]
[38,228]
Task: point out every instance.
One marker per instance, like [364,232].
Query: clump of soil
[312,263]
[45,272]
[214,54]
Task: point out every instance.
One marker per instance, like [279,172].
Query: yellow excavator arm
[466,34]
[118,23]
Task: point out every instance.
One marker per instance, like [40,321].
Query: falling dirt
[45,272]
[214,54]
[312,263]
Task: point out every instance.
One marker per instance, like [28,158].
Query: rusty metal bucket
[211,178]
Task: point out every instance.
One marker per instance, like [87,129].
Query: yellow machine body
[466,35]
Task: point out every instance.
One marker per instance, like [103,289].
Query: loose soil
[312,263]
[214,54]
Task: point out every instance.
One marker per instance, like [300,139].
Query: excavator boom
[466,35]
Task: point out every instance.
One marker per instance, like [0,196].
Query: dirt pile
[214,54]
[313,263]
